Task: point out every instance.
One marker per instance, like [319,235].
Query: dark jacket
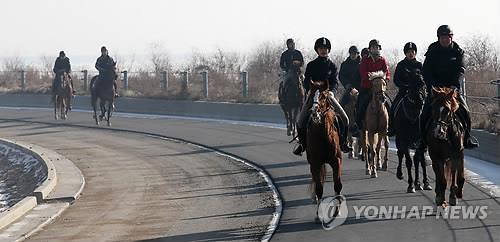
[321,69]
[403,70]
[62,64]
[443,66]
[349,73]
[104,63]
[288,57]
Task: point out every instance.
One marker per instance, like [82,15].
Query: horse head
[444,105]
[379,85]
[321,102]
[416,87]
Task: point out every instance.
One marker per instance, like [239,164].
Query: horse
[61,95]
[406,126]
[349,98]
[102,89]
[375,124]
[291,99]
[323,142]
[445,137]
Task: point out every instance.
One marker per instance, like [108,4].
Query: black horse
[102,88]
[406,124]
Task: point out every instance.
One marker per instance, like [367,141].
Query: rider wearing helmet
[289,60]
[61,66]
[321,69]
[365,53]
[105,64]
[401,74]
[444,67]
[373,63]
[349,72]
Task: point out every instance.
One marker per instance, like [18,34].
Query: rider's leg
[363,99]
[392,114]
[388,105]
[463,111]
[302,125]
[345,147]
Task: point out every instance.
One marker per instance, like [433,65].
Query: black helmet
[374,42]
[410,46]
[444,30]
[353,49]
[288,41]
[365,52]
[103,48]
[322,42]
[61,53]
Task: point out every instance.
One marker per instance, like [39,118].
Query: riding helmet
[322,42]
[353,49]
[410,46]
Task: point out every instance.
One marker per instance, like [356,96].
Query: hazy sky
[43,27]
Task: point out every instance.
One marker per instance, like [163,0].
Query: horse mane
[445,96]
[375,75]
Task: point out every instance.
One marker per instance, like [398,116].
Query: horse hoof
[427,186]
[317,220]
[384,168]
[418,187]
[410,189]
[367,172]
[399,174]
[453,201]
[374,175]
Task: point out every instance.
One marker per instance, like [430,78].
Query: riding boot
[345,147]
[301,147]
[390,129]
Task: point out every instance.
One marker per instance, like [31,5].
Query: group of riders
[104,64]
[443,67]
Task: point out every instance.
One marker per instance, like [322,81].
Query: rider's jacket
[288,57]
[370,64]
[104,63]
[403,69]
[62,64]
[443,66]
[321,69]
[349,72]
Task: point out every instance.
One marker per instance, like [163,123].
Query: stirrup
[298,150]
[471,142]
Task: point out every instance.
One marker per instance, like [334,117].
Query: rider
[105,63]
[290,58]
[444,67]
[349,72]
[321,69]
[373,63]
[401,75]
[365,53]
[61,66]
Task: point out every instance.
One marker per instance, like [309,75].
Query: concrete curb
[17,211]
[63,185]
[50,183]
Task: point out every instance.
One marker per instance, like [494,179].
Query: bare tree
[159,57]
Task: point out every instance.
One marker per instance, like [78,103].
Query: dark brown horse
[62,95]
[323,145]
[445,135]
[406,125]
[291,98]
[102,89]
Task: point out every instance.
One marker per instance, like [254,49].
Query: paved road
[269,149]
[140,187]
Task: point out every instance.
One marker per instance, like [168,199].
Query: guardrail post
[125,80]
[185,81]
[85,79]
[164,81]
[244,83]
[204,76]
[23,79]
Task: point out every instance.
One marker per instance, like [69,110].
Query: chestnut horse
[445,135]
[323,145]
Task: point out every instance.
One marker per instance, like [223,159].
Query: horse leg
[460,177]
[317,179]
[94,106]
[386,150]
[55,107]
[371,155]
[336,168]
[416,161]
[377,151]
[453,186]
[438,167]
[411,188]
[399,172]
[110,110]
[103,110]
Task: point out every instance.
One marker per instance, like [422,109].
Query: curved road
[269,148]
